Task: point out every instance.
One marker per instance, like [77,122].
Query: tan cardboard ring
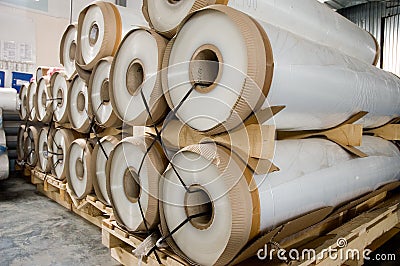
[43,100]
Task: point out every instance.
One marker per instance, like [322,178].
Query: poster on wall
[2,79]
[19,79]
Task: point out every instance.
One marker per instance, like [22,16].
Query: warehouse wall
[381,19]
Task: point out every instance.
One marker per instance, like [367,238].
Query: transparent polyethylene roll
[43,101]
[68,50]
[101,26]
[79,172]
[99,92]
[247,60]
[79,105]
[137,66]
[314,173]
[59,88]
[127,186]
[4,166]
[9,99]
[23,97]
[63,139]
[44,146]
[100,158]
[31,146]
[31,102]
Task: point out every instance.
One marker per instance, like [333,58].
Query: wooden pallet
[370,229]
[89,208]
[121,244]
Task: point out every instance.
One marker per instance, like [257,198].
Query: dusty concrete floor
[37,231]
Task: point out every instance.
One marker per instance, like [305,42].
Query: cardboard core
[198,202]
[205,68]
[132,185]
[105,92]
[80,102]
[79,169]
[24,100]
[173,1]
[93,34]
[60,97]
[134,77]
[72,51]
[45,150]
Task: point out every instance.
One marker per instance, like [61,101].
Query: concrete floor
[34,230]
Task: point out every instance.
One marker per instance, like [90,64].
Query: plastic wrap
[68,50]
[31,146]
[99,91]
[100,158]
[59,88]
[9,99]
[43,102]
[79,171]
[136,66]
[248,64]
[31,102]
[22,135]
[62,140]
[79,105]
[4,166]
[44,146]
[315,173]
[23,97]
[126,186]
[101,26]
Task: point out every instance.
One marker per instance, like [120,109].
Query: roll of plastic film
[101,153]
[79,172]
[79,105]
[31,146]
[229,67]
[101,26]
[4,166]
[136,67]
[62,140]
[133,188]
[41,72]
[9,99]
[295,62]
[31,102]
[23,97]
[21,143]
[59,90]
[235,211]
[68,50]
[99,91]
[305,81]
[44,146]
[43,102]
[166,15]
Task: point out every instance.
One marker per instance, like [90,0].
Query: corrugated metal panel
[382,20]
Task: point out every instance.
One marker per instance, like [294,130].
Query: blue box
[19,78]
[2,79]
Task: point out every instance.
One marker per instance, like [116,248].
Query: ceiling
[338,4]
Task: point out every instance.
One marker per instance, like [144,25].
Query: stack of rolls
[59,85]
[20,143]
[30,105]
[79,105]
[62,140]
[68,50]
[44,151]
[31,146]
[43,102]
[23,98]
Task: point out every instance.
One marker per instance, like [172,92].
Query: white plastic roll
[23,97]
[41,72]
[63,139]
[136,66]
[3,139]
[307,18]
[43,102]
[314,173]
[101,26]
[68,50]
[31,146]
[9,99]
[31,102]
[300,75]
[99,91]
[44,146]
[79,105]
[59,89]
[100,158]
[79,172]
[126,187]
[21,143]
[4,166]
